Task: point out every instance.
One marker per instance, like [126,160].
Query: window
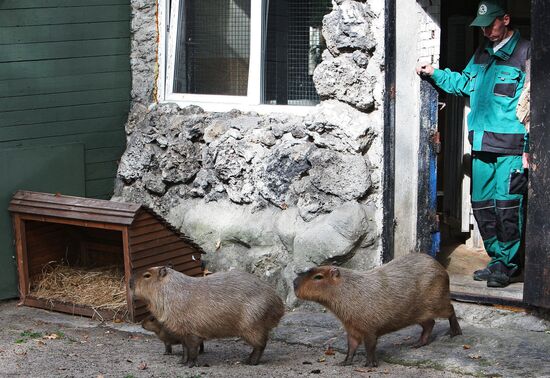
[247,52]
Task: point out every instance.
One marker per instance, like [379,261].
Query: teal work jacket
[493,81]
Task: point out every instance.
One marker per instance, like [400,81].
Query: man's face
[496,32]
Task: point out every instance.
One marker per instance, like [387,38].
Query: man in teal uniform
[494,79]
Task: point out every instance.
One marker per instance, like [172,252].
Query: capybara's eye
[146,275]
[318,277]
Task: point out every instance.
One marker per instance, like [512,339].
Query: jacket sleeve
[455,83]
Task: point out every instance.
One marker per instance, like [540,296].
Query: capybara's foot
[346,362]
[371,362]
[255,356]
[420,343]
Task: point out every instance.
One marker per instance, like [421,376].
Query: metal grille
[213,47]
[294,46]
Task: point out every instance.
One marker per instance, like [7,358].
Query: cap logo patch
[482,9]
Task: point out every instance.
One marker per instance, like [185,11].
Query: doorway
[462,249]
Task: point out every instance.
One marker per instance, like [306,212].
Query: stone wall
[273,193]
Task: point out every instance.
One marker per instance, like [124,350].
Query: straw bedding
[98,288]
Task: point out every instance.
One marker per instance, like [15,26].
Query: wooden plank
[63,50]
[22,260]
[190,268]
[154,243]
[136,240]
[64,99]
[28,205]
[147,229]
[64,67]
[72,15]
[178,247]
[64,32]
[103,247]
[80,216]
[73,222]
[155,258]
[82,202]
[62,84]
[22,4]
[145,221]
[52,129]
[127,272]
[66,113]
[160,260]
[68,308]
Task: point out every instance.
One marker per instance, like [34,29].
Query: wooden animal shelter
[71,248]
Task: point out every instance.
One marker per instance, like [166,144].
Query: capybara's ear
[163,271]
[334,272]
[170,265]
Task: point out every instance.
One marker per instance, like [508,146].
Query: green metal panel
[61,84]
[63,50]
[74,66]
[53,33]
[64,79]
[53,169]
[67,15]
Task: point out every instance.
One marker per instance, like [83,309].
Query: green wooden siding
[64,80]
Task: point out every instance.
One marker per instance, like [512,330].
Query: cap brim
[483,21]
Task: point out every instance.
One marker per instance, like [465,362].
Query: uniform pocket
[518,181]
[506,83]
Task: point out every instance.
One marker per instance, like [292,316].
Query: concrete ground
[496,342]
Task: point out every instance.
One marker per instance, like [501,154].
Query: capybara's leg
[184,353]
[455,327]
[258,341]
[167,348]
[353,343]
[370,349]
[192,344]
[427,327]
[255,356]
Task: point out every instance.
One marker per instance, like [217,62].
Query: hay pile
[99,288]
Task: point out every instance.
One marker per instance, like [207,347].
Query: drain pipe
[388,196]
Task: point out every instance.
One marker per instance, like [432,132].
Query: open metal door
[427,233]
[537,254]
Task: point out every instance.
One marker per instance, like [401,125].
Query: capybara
[223,304]
[151,323]
[413,289]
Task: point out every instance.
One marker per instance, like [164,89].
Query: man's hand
[425,70]
[525,160]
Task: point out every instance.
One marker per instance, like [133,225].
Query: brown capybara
[151,323]
[409,290]
[223,304]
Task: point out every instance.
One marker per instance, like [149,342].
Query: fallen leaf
[129,360]
[360,370]
[321,359]
[466,346]
[117,320]
[135,337]
[52,336]
[142,366]
[40,342]
[100,376]
[61,368]
[386,371]
[474,356]
[218,244]
[20,352]
[329,351]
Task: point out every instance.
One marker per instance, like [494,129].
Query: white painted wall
[417,40]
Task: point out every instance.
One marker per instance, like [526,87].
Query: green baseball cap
[487,11]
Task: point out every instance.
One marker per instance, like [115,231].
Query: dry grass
[98,288]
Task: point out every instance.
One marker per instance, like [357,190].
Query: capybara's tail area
[453,322]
